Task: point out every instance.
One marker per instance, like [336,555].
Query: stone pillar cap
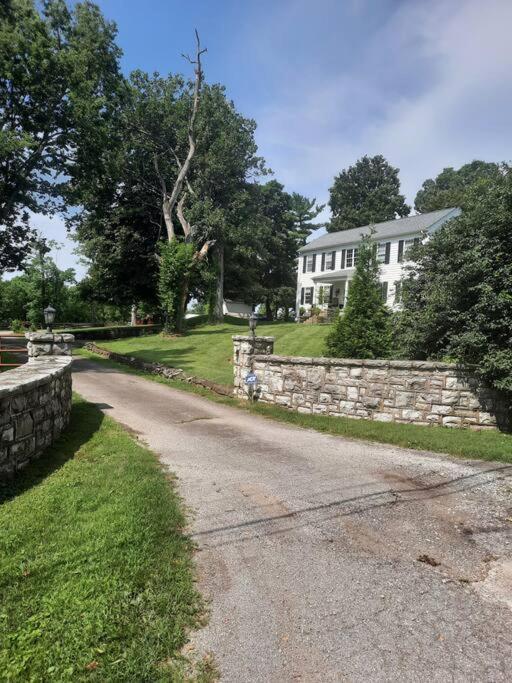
[249,337]
[44,337]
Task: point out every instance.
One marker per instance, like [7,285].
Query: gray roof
[396,228]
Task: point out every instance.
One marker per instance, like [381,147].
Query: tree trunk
[218,313]
[180,317]
[268,309]
[133,318]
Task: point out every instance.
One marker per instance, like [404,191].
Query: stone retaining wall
[35,404]
[417,392]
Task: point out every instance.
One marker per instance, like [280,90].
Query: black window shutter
[400,251]
[314,263]
[330,293]
[302,295]
[388,252]
[304,263]
[384,291]
[416,241]
[343,252]
[323,262]
[333,260]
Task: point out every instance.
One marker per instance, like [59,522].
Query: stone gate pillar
[48,344]
[244,350]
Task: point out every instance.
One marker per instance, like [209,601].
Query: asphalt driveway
[327,559]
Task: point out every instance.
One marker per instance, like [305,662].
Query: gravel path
[327,559]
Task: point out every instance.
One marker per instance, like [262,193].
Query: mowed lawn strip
[96,574]
[207,351]
[465,443]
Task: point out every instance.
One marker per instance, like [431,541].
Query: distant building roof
[396,228]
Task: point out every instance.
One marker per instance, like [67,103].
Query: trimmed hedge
[116,332]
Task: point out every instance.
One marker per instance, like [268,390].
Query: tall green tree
[367,192]
[450,186]
[303,212]
[458,294]
[59,81]
[363,328]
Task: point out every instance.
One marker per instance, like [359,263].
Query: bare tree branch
[169,201]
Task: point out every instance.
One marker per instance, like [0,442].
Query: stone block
[369,402]
[411,415]
[352,393]
[356,372]
[449,398]
[283,400]
[382,417]
[486,418]
[416,383]
[441,410]
[7,435]
[347,407]
[23,425]
[452,382]
[404,399]
[305,410]
[452,421]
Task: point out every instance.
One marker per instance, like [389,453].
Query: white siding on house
[339,278]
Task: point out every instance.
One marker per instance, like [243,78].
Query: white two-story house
[326,264]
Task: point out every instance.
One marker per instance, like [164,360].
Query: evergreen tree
[363,329]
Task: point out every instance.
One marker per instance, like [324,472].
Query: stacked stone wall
[416,392]
[35,405]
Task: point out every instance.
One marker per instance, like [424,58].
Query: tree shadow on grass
[85,420]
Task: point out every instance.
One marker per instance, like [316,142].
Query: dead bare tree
[175,198]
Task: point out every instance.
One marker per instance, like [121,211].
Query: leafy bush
[17,326]
[458,297]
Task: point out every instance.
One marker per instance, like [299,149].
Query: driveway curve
[326,559]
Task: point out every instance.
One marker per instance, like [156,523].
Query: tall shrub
[458,296]
[363,329]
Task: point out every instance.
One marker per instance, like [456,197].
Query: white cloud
[429,89]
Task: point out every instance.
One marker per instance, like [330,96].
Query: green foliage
[177,270]
[368,192]
[458,297]
[363,329]
[59,81]
[303,212]
[96,579]
[449,188]
[17,326]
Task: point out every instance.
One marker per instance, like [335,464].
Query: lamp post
[253,321]
[49,317]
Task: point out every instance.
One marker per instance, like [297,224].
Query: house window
[351,258]
[330,258]
[404,245]
[310,263]
[384,291]
[381,252]
[308,295]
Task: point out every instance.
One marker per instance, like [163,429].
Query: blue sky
[425,82]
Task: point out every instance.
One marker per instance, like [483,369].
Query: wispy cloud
[427,86]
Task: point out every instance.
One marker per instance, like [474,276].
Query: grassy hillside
[207,351]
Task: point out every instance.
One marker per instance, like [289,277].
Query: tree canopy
[367,192]
[59,83]
[448,189]
[458,295]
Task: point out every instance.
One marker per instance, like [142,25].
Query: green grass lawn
[208,350]
[484,445]
[96,575]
